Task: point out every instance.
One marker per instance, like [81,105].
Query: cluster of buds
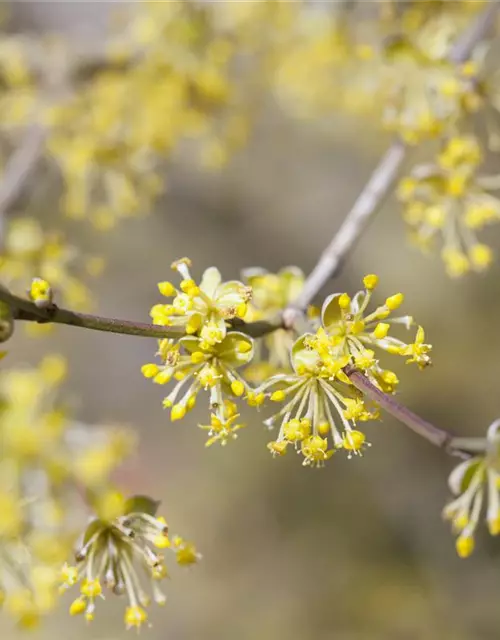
[126,539]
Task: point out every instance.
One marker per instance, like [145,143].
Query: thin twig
[26,310]
[20,168]
[436,436]
[366,205]
[380,182]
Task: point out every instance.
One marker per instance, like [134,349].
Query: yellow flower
[311,396]
[474,482]
[28,250]
[351,334]
[199,367]
[271,293]
[205,309]
[111,554]
[450,202]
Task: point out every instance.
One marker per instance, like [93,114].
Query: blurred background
[354,551]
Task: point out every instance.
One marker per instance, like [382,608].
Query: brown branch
[356,221]
[438,437]
[380,182]
[20,167]
[26,310]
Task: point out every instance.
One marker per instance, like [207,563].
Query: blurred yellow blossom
[114,553]
[475,483]
[448,201]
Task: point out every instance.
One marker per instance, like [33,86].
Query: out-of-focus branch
[477,31]
[20,167]
[380,182]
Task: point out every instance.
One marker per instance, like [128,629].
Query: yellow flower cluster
[112,150]
[46,461]
[474,482]
[28,251]
[116,550]
[318,387]
[208,357]
[203,309]
[197,366]
[395,67]
[427,93]
[18,93]
[448,200]
[271,293]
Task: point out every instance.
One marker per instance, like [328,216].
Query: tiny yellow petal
[381,330]
[344,301]
[197,357]
[167,289]
[278,396]
[395,301]
[464,546]
[237,387]
[370,281]
[77,607]
[150,370]
[178,412]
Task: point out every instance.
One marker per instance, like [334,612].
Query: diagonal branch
[436,436]
[20,167]
[367,204]
[372,197]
